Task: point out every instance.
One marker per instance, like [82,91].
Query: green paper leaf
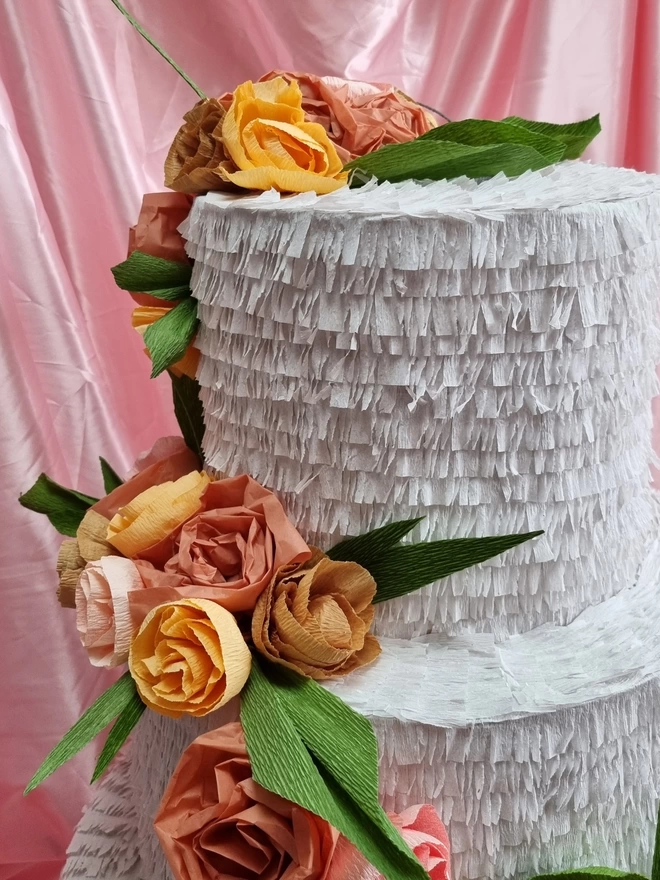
[168,338]
[111,478]
[171,294]
[579,873]
[406,568]
[483,132]
[576,135]
[189,411]
[98,716]
[365,549]
[282,763]
[64,507]
[128,718]
[424,159]
[142,273]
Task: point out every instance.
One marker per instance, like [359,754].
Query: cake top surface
[566,185]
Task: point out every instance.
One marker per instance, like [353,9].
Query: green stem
[138,27]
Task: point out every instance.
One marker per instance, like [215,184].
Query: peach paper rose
[189,658]
[215,821]
[359,117]
[227,552]
[197,161]
[89,545]
[421,829]
[315,618]
[155,513]
[103,618]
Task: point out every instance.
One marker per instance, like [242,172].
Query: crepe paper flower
[155,513]
[89,545]
[227,552]
[164,447]
[266,135]
[421,829]
[315,618]
[102,614]
[189,658]
[144,316]
[358,117]
[216,821]
[197,161]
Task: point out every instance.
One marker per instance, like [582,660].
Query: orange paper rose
[273,146]
[215,821]
[227,552]
[315,618]
[189,657]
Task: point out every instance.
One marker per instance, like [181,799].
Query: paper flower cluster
[290,131]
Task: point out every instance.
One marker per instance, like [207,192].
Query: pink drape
[87,111]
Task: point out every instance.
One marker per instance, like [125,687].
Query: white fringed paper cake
[483,355]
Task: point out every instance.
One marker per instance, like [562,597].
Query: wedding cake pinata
[392,601]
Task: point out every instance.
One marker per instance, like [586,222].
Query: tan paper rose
[197,161]
[215,821]
[103,618]
[189,658]
[89,545]
[315,618]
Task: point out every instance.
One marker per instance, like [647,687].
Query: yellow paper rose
[156,513]
[189,658]
[265,134]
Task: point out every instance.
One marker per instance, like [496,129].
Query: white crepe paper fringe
[449,350]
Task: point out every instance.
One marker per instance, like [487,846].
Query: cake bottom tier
[575,787]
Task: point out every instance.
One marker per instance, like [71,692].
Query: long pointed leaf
[98,716]
[111,479]
[189,411]
[406,568]
[424,159]
[481,132]
[575,135]
[282,763]
[168,338]
[64,507]
[365,549]
[129,717]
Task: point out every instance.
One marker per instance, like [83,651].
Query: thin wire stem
[138,27]
[432,109]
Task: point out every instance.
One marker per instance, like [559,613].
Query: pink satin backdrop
[87,111]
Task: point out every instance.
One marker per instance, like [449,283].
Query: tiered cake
[484,355]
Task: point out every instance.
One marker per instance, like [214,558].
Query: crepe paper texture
[216,820]
[579,873]
[189,657]
[168,338]
[64,508]
[119,733]
[107,707]
[188,410]
[89,545]
[318,753]
[144,273]
[156,232]
[476,148]
[315,618]
[111,478]
[154,514]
